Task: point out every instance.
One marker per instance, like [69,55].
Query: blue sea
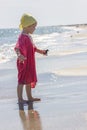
[60,40]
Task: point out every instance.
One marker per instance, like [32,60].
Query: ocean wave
[60,40]
[6,52]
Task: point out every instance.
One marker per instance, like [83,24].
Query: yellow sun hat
[26,20]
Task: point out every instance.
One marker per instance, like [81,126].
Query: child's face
[31,29]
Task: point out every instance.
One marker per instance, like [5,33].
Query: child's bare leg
[20,92]
[28,91]
[29,94]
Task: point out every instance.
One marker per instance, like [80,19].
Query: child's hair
[26,20]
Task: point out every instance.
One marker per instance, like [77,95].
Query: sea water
[67,47]
[60,40]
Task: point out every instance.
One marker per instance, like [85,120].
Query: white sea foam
[71,41]
[6,52]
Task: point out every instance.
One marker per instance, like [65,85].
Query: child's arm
[20,56]
[44,52]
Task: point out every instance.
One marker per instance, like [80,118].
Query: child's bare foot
[34,99]
[23,101]
[27,101]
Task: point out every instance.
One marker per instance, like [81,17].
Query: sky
[47,12]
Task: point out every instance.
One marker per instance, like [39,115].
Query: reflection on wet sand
[30,119]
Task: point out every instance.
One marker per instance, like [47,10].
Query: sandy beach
[62,87]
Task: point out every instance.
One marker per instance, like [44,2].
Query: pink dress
[26,69]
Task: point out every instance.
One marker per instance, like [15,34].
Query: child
[25,50]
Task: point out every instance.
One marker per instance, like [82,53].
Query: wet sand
[63,94]
[66,110]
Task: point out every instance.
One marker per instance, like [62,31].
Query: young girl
[25,50]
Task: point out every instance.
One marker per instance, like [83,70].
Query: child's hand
[45,52]
[21,58]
